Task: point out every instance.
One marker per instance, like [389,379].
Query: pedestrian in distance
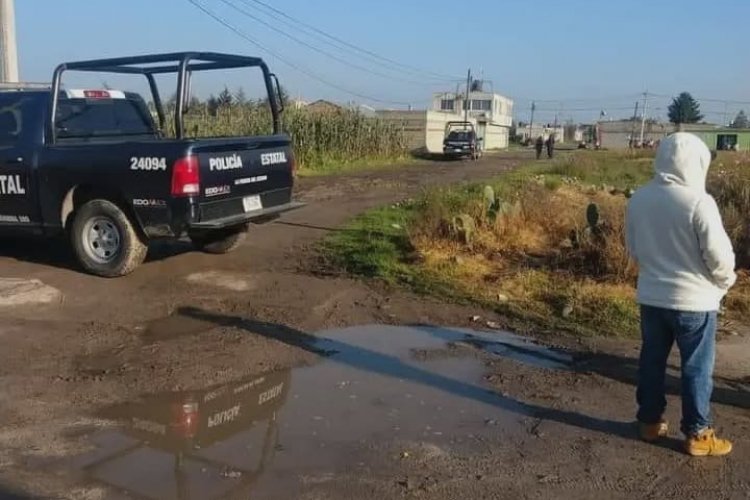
[686,266]
[551,146]
[539,146]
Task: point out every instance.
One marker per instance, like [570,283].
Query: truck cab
[461,141]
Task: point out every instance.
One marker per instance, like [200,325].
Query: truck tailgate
[244,176]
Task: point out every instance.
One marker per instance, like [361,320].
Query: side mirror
[279,100]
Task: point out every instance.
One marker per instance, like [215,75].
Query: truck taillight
[186,419]
[186,180]
[96,94]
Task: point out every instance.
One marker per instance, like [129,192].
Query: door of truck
[20,125]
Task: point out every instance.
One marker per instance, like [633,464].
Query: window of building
[447,104]
[481,105]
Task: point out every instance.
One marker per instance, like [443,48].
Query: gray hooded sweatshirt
[675,233]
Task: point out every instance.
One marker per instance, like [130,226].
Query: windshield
[460,136]
[78,118]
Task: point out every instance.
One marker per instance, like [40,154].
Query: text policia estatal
[11,184]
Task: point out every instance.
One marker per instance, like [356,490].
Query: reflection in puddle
[262,433]
[202,444]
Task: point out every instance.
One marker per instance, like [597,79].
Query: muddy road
[254,375]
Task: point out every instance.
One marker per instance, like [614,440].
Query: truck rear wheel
[105,240]
[220,242]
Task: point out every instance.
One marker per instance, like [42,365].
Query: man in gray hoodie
[686,266]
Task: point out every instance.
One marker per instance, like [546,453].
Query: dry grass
[533,258]
[525,264]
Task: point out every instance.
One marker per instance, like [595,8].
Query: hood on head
[682,158]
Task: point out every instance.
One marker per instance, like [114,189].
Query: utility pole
[632,129]
[531,122]
[467,102]
[643,117]
[8,48]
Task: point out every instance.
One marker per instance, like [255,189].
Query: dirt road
[252,374]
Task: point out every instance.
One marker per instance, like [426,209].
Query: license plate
[252,203]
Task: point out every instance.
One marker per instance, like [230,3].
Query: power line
[323,37]
[292,65]
[619,98]
[706,99]
[599,108]
[318,49]
[349,45]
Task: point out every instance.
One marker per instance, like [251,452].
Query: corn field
[319,138]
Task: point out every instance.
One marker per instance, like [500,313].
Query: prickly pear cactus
[489,196]
[463,227]
[493,204]
[592,215]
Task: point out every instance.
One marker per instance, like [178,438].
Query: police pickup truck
[95,165]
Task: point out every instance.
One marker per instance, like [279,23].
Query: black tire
[105,241]
[220,242]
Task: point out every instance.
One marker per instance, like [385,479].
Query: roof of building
[323,104]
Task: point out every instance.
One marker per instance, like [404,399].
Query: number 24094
[150,164]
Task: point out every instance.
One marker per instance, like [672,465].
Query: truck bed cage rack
[147,64]
[181,63]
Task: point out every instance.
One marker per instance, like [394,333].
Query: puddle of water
[520,349]
[262,433]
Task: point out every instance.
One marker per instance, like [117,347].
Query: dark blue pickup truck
[96,165]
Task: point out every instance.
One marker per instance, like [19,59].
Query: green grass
[333,167]
[374,245]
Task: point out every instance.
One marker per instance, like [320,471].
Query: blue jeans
[695,334]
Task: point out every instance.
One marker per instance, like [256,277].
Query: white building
[425,129]
[492,113]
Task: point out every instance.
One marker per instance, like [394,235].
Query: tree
[212,104]
[684,109]
[741,121]
[225,98]
[240,97]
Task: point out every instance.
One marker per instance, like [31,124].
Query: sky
[575,58]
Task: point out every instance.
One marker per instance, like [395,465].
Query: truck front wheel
[220,242]
[105,241]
